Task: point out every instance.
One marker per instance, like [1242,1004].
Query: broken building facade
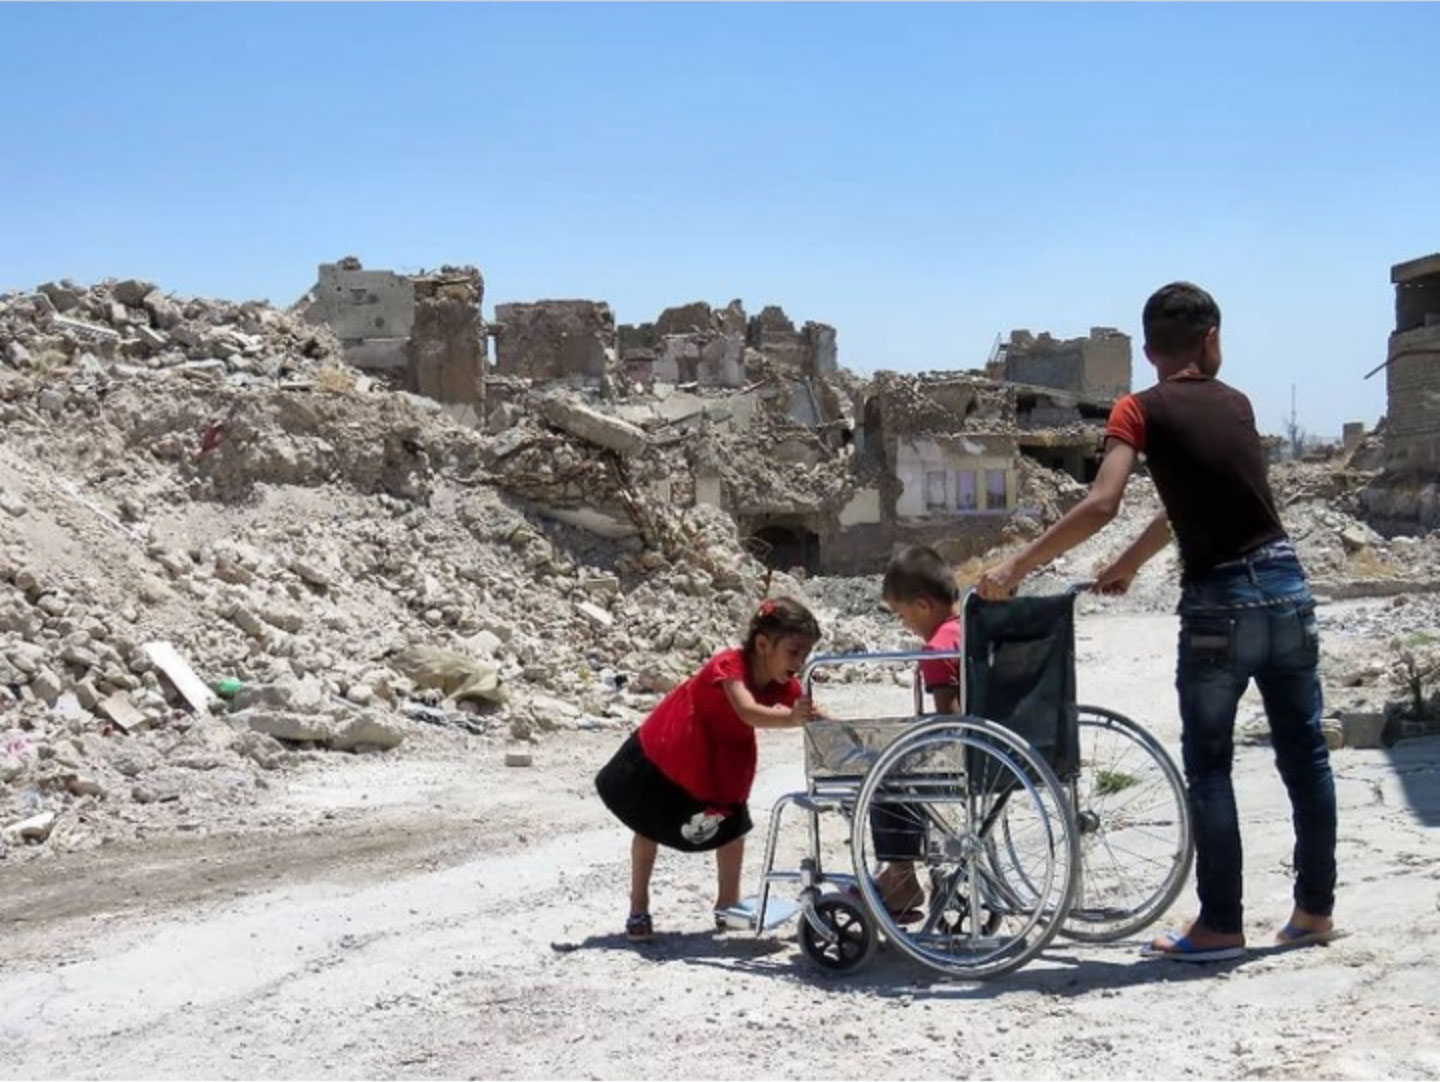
[1065,389]
[722,347]
[423,331]
[1406,496]
[935,462]
[604,426]
[1096,367]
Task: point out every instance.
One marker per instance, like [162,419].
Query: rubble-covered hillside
[350,567]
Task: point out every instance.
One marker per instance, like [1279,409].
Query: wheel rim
[1135,841]
[961,776]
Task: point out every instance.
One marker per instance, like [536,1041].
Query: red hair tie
[767,607]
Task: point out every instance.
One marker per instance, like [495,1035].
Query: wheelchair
[1034,816]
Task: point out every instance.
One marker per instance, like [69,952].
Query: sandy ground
[415,933]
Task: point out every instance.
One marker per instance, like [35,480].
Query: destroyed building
[1064,391]
[935,463]
[555,341]
[819,470]
[423,331]
[1405,498]
[1094,367]
[609,428]
[722,347]
[708,406]
[703,407]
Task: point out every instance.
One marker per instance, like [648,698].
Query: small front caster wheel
[846,917]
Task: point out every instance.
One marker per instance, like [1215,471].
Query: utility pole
[1293,434]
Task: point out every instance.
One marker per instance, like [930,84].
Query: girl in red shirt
[683,778]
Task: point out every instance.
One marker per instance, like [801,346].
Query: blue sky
[922,177]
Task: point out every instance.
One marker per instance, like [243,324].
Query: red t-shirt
[943,672]
[698,740]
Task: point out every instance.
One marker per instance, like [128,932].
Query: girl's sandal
[639,928]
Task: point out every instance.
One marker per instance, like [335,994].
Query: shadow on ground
[1417,765]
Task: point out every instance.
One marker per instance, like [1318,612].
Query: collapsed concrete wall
[811,349]
[1060,430]
[933,459]
[723,347]
[371,312]
[572,340]
[446,351]
[425,331]
[1097,366]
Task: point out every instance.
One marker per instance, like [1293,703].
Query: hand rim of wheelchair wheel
[1001,750]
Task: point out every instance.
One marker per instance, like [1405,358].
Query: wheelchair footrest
[742,914]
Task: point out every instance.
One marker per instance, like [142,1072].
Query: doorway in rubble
[784,546]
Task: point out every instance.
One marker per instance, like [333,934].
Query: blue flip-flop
[1182,950]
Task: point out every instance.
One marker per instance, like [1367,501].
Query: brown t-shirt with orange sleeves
[1199,439]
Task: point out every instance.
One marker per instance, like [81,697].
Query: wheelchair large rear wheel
[1133,817]
[964,778]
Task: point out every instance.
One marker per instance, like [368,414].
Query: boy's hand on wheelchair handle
[1000,582]
[1115,579]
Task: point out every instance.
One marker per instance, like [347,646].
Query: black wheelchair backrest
[1020,671]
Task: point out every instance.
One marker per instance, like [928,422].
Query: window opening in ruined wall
[935,494]
[995,490]
[965,494]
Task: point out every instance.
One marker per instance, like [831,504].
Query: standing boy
[1245,612]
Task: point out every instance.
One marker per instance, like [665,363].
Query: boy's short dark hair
[1177,317]
[919,572]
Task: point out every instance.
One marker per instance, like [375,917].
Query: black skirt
[645,800]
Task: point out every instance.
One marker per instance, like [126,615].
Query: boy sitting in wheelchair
[919,587]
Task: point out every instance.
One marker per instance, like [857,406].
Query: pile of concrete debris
[130,327]
[202,579]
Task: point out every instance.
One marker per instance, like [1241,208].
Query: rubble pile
[323,567]
[120,328]
[777,467]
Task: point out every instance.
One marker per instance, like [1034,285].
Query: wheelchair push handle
[900,657]
[1077,586]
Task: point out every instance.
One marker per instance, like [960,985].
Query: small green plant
[1417,668]
[1108,782]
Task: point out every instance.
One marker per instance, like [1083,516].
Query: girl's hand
[804,710]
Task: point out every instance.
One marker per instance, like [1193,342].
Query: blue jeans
[1254,618]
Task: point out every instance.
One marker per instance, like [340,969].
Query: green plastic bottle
[229,687]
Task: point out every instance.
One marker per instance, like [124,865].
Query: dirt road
[415,934]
